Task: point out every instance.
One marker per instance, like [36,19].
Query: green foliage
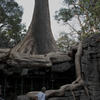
[87,12]
[64,15]
[84,36]
[11,27]
[65,41]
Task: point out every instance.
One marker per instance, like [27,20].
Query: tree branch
[73,28]
[79,21]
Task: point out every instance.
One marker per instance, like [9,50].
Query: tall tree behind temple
[65,41]
[11,28]
[85,11]
[39,38]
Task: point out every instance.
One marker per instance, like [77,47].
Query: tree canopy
[11,28]
[85,11]
[65,41]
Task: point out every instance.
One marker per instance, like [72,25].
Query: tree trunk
[39,38]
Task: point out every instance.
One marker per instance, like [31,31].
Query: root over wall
[90,74]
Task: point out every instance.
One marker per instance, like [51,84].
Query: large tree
[11,27]
[86,12]
[39,39]
[38,49]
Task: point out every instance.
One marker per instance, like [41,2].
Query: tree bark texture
[39,38]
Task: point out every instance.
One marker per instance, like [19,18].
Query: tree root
[82,83]
[73,95]
[60,92]
[76,85]
[4,54]
[87,92]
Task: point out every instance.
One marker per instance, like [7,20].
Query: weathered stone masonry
[90,70]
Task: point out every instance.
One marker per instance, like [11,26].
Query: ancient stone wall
[90,65]
[90,62]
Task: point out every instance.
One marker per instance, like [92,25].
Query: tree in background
[11,28]
[86,12]
[65,41]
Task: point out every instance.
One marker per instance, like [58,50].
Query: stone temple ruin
[36,62]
